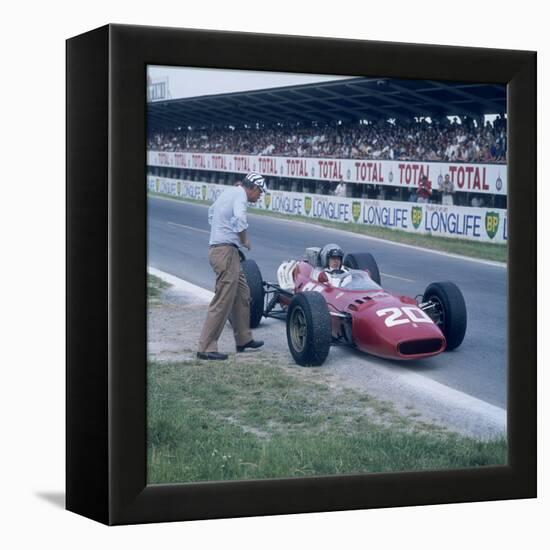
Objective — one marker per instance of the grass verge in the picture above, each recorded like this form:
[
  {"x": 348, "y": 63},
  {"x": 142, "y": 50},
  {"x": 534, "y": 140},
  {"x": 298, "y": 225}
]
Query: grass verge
[
  {"x": 155, "y": 289},
  {"x": 248, "y": 419},
  {"x": 481, "y": 250}
]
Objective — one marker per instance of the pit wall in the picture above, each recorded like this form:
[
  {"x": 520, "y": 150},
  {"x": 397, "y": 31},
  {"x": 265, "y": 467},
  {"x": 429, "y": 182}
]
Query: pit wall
[{"x": 459, "y": 222}]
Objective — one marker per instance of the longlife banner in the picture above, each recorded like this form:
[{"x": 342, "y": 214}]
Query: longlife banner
[
  {"x": 476, "y": 178},
  {"x": 459, "y": 222}
]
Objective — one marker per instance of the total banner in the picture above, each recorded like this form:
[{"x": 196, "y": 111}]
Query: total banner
[
  {"x": 476, "y": 178},
  {"x": 460, "y": 222}
]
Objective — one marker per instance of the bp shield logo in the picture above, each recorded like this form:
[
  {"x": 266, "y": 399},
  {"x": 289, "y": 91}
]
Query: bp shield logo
[
  {"x": 356, "y": 210},
  {"x": 416, "y": 216},
  {"x": 267, "y": 200},
  {"x": 204, "y": 190},
  {"x": 492, "y": 220},
  {"x": 308, "y": 203}
]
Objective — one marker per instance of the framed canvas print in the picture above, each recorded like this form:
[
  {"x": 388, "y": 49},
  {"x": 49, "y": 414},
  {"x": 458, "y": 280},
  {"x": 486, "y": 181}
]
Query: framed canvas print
[{"x": 300, "y": 274}]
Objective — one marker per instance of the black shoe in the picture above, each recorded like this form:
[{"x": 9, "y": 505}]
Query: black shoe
[
  {"x": 253, "y": 344},
  {"x": 211, "y": 355}
]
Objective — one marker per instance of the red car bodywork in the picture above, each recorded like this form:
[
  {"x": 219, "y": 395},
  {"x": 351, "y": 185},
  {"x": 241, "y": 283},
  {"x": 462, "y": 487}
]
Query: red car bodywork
[{"x": 375, "y": 321}]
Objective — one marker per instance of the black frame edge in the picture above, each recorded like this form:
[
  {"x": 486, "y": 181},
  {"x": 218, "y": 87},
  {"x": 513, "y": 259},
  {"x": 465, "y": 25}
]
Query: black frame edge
[
  {"x": 87, "y": 141},
  {"x": 133, "y": 49},
  {"x": 131, "y": 500},
  {"x": 522, "y": 274}
]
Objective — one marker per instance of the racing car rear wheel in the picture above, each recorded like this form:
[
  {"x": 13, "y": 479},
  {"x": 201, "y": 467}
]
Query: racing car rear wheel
[
  {"x": 364, "y": 260},
  {"x": 256, "y": 286},
  {"x": 448, "y": 311},
  {"x": 308, "y": 329}
]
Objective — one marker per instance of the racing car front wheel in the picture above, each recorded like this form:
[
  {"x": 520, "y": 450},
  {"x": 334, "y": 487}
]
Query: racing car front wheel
[
  {"x": 308, "y": 329},
  {"x": 255, "y": 284},
  {"x": 447, "y": 310},
  {"x": 364, "y": 260}
]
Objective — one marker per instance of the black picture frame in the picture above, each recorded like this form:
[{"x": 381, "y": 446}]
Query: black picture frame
[{"x": 106, "y": 273}]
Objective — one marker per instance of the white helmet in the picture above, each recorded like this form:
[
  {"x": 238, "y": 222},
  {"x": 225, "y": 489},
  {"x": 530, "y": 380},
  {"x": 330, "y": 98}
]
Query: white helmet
[{"x": 254, "y": 179}]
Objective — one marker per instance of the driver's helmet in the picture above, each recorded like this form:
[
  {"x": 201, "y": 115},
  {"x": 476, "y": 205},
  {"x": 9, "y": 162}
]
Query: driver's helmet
[
  {"x": 331, "y": 251},
  {"x": 254, "y": 179}
]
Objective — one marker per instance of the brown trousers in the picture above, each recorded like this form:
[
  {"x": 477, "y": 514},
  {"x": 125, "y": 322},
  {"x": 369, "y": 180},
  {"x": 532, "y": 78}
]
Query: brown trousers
[{"x": 231, "y": 300}]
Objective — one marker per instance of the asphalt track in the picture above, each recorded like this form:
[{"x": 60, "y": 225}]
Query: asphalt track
[{"x": 178, "y": 235}]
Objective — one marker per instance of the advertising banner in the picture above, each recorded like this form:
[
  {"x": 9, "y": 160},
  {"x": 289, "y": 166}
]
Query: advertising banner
[
  {"x": 458, "y": 222},
  {"x": 475, "y": 178}
]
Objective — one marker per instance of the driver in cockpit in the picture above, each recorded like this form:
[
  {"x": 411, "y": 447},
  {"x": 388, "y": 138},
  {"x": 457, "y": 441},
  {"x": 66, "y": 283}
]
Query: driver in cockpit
[{"x": 332, "y": 257}]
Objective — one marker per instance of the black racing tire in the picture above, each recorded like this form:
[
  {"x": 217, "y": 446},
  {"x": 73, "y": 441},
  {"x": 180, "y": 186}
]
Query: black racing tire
[
  {"x": 308, "y": 329},
  {"x": 255, "y": 284},
  {"x": 364, "y": 260},
  {"x": 449, "y": 313}
]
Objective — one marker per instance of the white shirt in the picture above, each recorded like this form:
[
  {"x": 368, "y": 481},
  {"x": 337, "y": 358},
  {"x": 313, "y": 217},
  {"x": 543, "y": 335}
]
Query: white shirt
[
  {"x": 227, "y": 216},
  {"x": 340, "y": 190}
]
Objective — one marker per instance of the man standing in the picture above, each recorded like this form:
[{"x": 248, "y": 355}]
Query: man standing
[
  {"x": 447, "y": 190},
  {"x": 227, "y": 217},
  {"x": 424, "y": 190},
  {"x": 340, "y": 190}
]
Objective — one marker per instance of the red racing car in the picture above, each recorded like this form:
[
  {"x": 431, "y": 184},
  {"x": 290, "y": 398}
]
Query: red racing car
[{"x": 346, "y": 305}]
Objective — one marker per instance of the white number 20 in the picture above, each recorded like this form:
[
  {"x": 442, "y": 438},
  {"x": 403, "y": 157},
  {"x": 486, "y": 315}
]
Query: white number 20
[{"x": 402, "y": 316}]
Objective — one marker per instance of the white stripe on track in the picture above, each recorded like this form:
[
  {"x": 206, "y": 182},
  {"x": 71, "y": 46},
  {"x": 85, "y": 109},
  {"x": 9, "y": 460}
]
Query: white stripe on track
[
  {"x": 396, "y": 277},
  {"x": 179, "y": 284},
  {"x": 188, "y": 227},
  {"x": 455, "y": 398}
]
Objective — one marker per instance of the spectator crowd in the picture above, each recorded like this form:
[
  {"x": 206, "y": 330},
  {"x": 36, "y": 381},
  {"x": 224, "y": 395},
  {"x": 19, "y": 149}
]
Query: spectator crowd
[{"x": 465, "y": 140}]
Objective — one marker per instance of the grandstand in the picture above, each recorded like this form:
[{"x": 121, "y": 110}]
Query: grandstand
[{"x": 442, "y": 124}]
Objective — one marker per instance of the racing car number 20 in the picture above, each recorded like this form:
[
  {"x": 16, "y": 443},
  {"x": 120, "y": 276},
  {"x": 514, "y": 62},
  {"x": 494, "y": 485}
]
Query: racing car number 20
[
  {"x": 349, "y": 307},
  {"x": 403, "y": 315}
]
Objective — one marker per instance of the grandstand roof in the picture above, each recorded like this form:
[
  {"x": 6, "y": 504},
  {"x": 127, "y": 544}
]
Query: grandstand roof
[{"x": 347, "y": 100}]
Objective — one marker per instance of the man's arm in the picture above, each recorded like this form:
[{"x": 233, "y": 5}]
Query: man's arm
[
  {"x": 239, "y": 221},
  {"x": 244, "y": 239}
]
